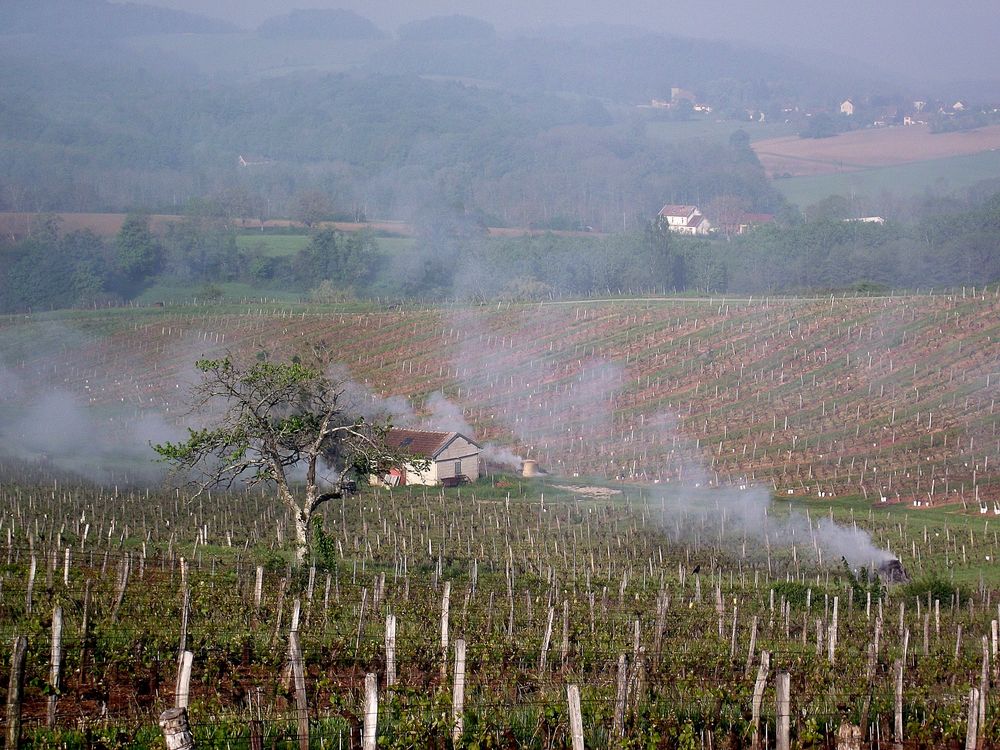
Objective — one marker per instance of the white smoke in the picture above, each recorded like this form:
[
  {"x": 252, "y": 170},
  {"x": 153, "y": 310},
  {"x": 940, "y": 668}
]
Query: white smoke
[
  {"x": 697, "y": 512},
  {"x": 447, "y": 416}
]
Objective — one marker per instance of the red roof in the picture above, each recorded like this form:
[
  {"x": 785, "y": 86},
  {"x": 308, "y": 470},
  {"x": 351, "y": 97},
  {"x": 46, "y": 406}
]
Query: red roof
[
  {"x": 421, "y": 442},
  {"x": 677, "y": 209}
]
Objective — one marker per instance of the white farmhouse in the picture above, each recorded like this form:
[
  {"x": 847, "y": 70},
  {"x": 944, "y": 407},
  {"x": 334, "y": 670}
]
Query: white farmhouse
[
  {"x": 451, "y": 457},
  {"x": 684, "y": 219}
]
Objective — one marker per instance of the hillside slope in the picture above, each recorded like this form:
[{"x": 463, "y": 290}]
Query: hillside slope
[{"x": 890, "y": 397}]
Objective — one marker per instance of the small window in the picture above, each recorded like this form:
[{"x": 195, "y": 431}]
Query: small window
[{"x": 458, "y": 468}]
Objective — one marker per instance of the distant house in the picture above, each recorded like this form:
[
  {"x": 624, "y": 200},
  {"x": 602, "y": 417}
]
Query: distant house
[
  {"x": 252, "y": 161},
  {"x": 684, "y": 219},
  {"x": 867, "y": 220},
  {"x": 744, "y": 223},
  {"x": 887, "y": 116},
  {"x": 847, "y": 107},
  {"x": 451, "y": 457},
  {"x": 958, "y": 106}
]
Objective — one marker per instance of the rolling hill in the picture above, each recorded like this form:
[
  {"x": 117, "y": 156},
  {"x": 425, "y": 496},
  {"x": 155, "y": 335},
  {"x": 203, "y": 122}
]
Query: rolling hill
[{"x": 889, "y": 398}]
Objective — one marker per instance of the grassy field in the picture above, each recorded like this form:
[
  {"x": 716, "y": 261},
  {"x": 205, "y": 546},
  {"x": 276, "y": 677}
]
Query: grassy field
[
  {"x": 180, "y": 294},
  {"x": 273, "y": 245},
  {"x": 937, "y": 175}
]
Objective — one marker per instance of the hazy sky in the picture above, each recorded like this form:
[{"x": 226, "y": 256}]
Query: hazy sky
[{"x": 921, "y": 38}]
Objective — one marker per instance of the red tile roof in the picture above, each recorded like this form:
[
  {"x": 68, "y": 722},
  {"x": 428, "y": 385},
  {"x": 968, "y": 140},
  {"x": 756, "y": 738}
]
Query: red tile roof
[
  {"x": 421, "y": 442},
  {"x": 675, "y": 209}
]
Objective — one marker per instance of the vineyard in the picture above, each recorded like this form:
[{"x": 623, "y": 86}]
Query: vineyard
[
  {"x": 675, "y": 630},
  {"x": 675, "y": 581},
  {"x": 890, "y": 398}
]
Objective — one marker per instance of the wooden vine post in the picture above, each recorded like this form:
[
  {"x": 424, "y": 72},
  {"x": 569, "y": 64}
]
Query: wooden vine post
[
  {"x": 371, "y": 712},
  {"x": 758, "y": 697},
  {"x": 458, "y": 692},
  {"x": 575, "y": 717},
  {"x": 445, "y": 602},
  {"x": 972, "y": 728},
  {"x": 55, "y": 664},
  {"x": 618, "y": 726},
  {"x": 176, "y": 730},
  {"x": 783, "y": 717},
  {"x": 897, "y": 734},
  {"x": 182, "y": 690},
  {"x": 301, "y": 701},
  {"x": 543, "y": 656},
  {"x": 15, "y": 690},
  {"x": 390, "y": 650}
]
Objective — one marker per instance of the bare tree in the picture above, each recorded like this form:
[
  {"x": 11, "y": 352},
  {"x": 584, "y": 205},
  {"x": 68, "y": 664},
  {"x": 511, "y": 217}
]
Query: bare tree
[
  {"x": 728, "y": 212},
  {"x": 278, "y": 419}
]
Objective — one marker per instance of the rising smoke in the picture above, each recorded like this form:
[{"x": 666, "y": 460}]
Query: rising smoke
[
  {"x": 698, "y": 512},
  {"x": 57, "y": 429}
]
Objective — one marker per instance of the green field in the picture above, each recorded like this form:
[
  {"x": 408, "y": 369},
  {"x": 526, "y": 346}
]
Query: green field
[
  {"x": 170, "y": 293},
  {"x": 938, "y": 176},
  {"x": 273, "y": 245}
]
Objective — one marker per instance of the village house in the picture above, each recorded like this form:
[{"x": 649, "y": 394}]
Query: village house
[
  {"x": 684, "y": 219},
  {"x": 743, "y": 223},
  {"x": 451, "y": 458},
  {"x": 867, "y": 220},
  {"x": 847, "y": 107},
  {"x": 252, "y": 161},
  {"x": 887, "y": 116}
]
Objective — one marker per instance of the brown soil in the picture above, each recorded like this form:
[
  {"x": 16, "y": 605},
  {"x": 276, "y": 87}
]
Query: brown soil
[{"x": 876, "y": 147}]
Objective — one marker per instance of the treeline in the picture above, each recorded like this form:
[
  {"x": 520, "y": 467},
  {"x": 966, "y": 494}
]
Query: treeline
[
  {"x": 537, "y": 130},
  {"x": 51, "y": 270},
  {"x": 79, "y": 137},
  {"x": 454, "y": 258}
]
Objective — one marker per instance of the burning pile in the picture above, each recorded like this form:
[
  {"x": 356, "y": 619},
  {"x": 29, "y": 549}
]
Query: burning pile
[{"x": 892, "y": 571}]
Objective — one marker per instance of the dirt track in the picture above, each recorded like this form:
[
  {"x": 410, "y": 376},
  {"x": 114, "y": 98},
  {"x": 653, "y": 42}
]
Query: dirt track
[{"x": 876, "y": 147}]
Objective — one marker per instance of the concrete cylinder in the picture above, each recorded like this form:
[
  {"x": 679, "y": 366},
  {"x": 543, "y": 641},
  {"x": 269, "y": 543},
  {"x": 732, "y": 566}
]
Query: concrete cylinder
[{"x": 529, "y": 468}]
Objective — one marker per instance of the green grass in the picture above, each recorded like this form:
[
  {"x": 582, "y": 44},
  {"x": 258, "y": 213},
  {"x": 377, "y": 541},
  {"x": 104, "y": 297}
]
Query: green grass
[
  {"x": 172, "y": 292},
  {"x": 273, "y": 245},
  {"x": 393, "y": 246},
  {"x": 957, "y": 520},
  {"x": 937, "y": 175}
]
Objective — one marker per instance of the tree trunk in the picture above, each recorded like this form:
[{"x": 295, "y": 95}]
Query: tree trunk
[{"x": 301, "y": 536}]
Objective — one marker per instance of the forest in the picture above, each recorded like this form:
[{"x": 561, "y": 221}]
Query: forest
[{"x": 523, "y": 129}]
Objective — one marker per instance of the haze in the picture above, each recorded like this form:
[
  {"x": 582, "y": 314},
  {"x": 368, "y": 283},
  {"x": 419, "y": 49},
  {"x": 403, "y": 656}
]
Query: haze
[{"x": 917, "y": 40}]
